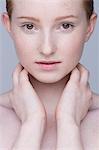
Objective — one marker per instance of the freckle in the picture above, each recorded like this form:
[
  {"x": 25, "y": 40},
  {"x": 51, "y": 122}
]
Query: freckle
[{"x": 66, "y": 4}]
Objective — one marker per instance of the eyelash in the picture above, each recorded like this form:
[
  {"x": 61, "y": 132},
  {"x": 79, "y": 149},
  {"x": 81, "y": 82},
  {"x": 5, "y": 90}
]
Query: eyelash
[
  {"x": 69, "y": 27},
  {"x": 27, "y": 30},
  {"x": 64, "y": 27}
]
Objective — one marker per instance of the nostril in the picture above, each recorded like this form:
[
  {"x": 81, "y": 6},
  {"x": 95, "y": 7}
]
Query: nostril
[{"x": 47, "y": 51}]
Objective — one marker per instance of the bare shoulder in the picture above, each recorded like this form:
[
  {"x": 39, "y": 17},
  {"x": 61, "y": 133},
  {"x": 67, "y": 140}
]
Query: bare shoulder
[
  {"x": 9, "y": 124},
  {"x": 4, "y": 99},
  {"x": 90, "y": 130}
]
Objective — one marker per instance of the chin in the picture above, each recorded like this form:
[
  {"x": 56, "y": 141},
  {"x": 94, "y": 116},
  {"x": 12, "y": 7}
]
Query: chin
[{"x": 49, "y": 79}]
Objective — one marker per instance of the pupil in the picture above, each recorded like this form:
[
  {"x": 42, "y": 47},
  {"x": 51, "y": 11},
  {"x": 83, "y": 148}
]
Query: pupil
[
  {"x": 29, "y": 26},
  {"x": 66, "y": 26}
]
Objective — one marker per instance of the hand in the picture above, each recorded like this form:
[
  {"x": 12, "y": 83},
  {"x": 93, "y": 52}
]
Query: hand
[
  {"x": 76, "y": 97},
  {"x": 23, "y": 97}
]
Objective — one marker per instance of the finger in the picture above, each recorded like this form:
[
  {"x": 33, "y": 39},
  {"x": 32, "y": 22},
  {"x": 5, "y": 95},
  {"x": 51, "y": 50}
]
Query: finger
[
  {"x": 75, "y": 75},
  {"x": 84, "y": 74},
  {"x": 16, "y": 73},
  {"x": 23, "y": 77}
]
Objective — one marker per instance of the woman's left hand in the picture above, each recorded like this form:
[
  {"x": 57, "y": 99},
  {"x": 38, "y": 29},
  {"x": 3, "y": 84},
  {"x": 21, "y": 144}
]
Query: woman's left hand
[{"x": 76, "y": 97}]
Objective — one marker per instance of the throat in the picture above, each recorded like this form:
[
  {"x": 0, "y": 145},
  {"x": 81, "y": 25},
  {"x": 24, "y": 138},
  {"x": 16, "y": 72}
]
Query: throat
[{"x": 49, "y": 93}]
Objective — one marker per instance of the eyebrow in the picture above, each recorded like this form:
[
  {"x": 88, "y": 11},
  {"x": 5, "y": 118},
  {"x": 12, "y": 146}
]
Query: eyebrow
[
  {"x": 66, "y": 17},
  {"x": 29, "y": 18},
  {"x": 57, "y": 19}
]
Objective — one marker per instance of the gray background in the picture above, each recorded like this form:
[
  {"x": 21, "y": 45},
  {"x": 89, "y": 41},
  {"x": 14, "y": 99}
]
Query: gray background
[{"x": 8, "y": 58}]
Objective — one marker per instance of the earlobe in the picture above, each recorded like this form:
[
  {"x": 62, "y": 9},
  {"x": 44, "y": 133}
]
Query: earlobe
[
  {"x": 91, "y": 26},
  {"x": 6, "y": 21}
]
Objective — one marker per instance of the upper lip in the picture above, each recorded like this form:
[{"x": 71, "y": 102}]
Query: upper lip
[{"x": 47, "y": 62}]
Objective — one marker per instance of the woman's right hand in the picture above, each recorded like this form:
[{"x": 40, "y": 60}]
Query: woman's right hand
[
  {"x": 23, "y": 97},
  {"x": 29, "y": 109}
]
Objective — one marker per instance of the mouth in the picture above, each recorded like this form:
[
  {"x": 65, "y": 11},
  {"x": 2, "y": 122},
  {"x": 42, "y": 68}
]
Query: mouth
[
  {"x": 48, "y": 62},
  {"x": 48, "y": 65}
]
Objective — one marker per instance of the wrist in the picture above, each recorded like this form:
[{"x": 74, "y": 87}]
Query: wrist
[
  {"x": 30, "y": 118},
  {"x": 30, "y": 135},
  {"x": 67, "y": 120},
  {"x": 35, "y": 124},
  {"x": 67, "y": 125},
  {"x": 68, "y": 135}
]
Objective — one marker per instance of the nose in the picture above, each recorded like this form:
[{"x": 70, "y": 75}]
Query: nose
[{"x": 48, "y": 46}]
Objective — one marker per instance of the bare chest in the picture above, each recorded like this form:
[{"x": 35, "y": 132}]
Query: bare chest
[
  {"x": 9, "y": 134},
  {"x": 49, "y": 138},
  {"x": 10, "y": 127}
]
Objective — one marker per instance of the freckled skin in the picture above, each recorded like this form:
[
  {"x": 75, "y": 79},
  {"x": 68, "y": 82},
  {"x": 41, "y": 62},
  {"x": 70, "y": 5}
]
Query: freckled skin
[
  {"x": 45, "y": 41},
  {"x": 46, "y": 37}
]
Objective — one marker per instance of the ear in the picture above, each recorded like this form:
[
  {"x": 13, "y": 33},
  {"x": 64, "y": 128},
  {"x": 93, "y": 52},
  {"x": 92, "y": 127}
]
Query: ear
[
  {"x": 6, "y": 21},
  {"x": 91, "y": 26}
]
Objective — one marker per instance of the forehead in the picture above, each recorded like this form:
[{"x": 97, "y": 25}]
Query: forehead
[{"x": 46, "y": 7}]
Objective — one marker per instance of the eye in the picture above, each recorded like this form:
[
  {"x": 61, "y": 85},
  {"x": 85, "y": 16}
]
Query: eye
[
  {"x": 66, "y": 27},
  {"x": 29, "y": 28}
]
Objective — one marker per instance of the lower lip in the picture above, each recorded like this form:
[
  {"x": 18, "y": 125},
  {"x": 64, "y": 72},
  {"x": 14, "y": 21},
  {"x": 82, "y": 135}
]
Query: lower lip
[{"x": 48, "y": 67}]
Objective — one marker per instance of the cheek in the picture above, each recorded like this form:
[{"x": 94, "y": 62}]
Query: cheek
[
  {"x": 71, "y": 45},
  {"x": 71, "y": 52},
  {"x": 26, "y": 47}
]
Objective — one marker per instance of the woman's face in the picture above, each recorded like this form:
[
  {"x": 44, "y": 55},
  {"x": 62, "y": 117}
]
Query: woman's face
[{"x": 49, "y": 30}]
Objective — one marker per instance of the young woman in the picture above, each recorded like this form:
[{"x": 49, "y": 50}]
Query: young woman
[{"x": 51, "y": 105}]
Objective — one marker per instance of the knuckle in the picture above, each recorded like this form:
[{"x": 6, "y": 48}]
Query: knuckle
[
  {"x": 77, "y": 75},
  {"x": 77, "y": 72},
  {"x": 79, "y": 65},
  {"x": 14, "y": 73},
  {"x": 22, "y": 77},
  {"x": 22, "y": 73}
]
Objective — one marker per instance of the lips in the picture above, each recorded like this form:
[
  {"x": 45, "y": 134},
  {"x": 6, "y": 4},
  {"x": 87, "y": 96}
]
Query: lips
[
  {"x": 48, "y": 62},
  {"x": 48, "y": 65}
]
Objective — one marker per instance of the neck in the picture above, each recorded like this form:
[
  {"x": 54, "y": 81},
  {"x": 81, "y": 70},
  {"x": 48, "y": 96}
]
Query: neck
[{"x": 49, "y": 93}]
